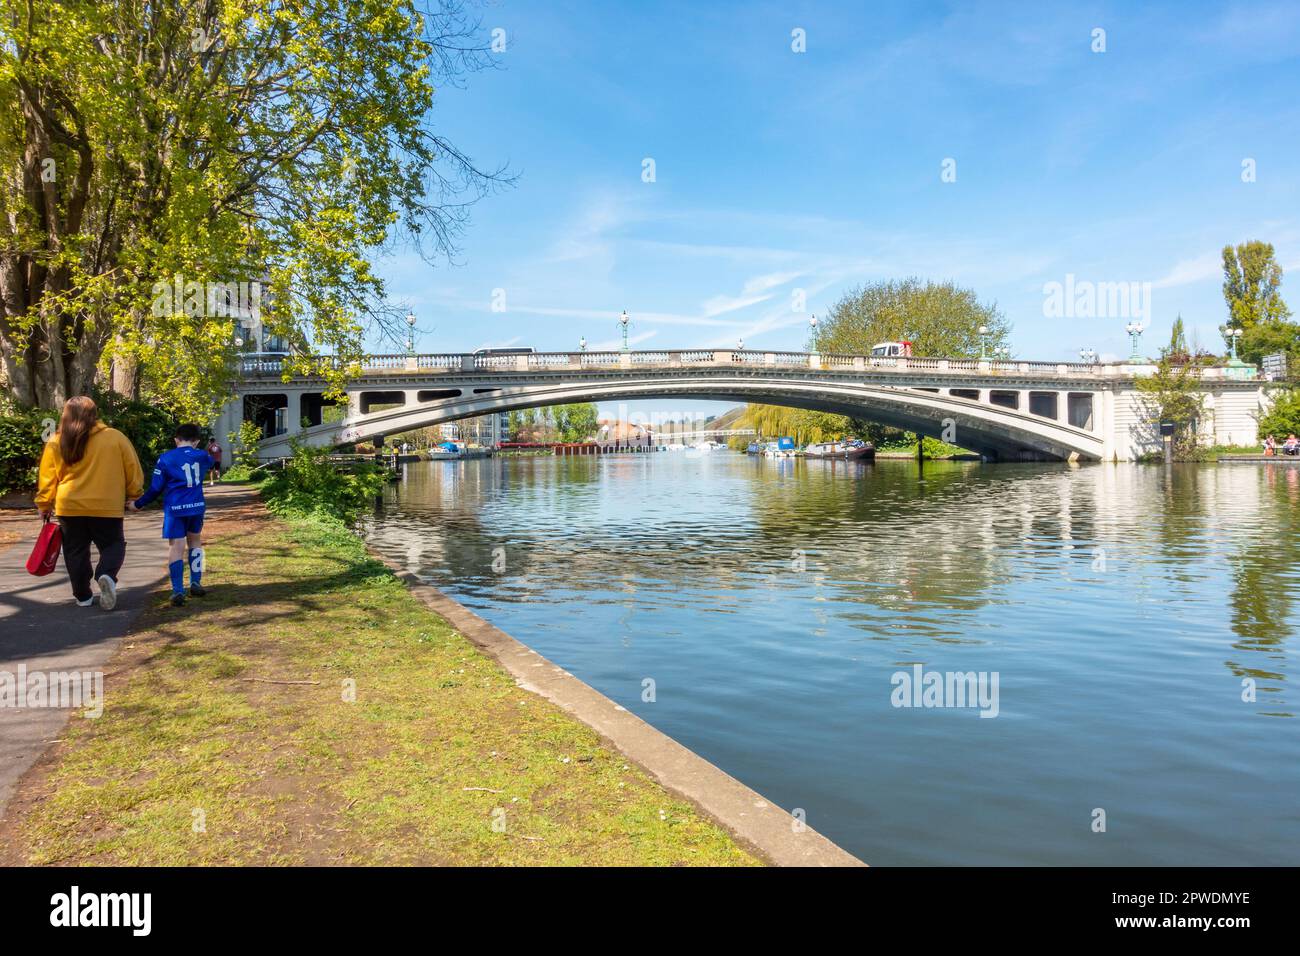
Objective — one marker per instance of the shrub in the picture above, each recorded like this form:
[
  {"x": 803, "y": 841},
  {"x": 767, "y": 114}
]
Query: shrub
[
  {"x": 23, "y": 435},
  {"x": 312, "y": 484},
  {"x": 244, "y": 444},
  {"x": 21, "y": 443},
  {"x": 148, "y": 427},
  {"x": 1283, "y": 415}
]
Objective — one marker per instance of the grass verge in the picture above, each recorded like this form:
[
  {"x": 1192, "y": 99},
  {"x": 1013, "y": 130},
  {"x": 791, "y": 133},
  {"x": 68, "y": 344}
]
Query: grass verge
[{"x": 311, "y": 711}]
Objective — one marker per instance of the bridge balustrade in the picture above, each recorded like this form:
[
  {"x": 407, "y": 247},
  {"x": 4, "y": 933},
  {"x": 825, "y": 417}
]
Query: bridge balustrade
[
  {"x": 843, "y": 361},
  {"x": 549, "y": 359},
  {"x": 438, "y": 361},
  {"x": 256, "y": 365}
]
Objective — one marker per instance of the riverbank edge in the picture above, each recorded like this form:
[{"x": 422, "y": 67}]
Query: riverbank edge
[{"x": 757, "y": 823}]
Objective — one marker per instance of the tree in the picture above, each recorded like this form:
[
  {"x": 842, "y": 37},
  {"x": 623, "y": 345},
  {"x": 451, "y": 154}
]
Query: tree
[
  {"x": 575, "y": 422},
  {"x": 160, "y": 157},
  {"x": 1172, "y": 394},
  {"x": 1283, "y": 415},
  {"x": 940, "y": 319},
  {"x": 1266, "y": 338},
  {"x": 803, "y": 425},
  {"x": 1251, "y": 277},
  {"x": 1177, "y": 350}
]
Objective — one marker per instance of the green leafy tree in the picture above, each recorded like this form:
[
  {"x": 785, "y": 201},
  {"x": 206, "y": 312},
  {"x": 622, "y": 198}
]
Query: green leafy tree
[
  {"x": 244, "y": 443},
  {"x": 1269, "y": 338},
  {"x": 157, "y": 153},
  {"x": 1251, "y": 286},
  {"x": 1283, "y": 415},
  {"x": 1177, "y": 351},
  {"x": 940, "y": 319},
  {"x": 575, "y": 422},
  {"x": 803, "y": 425},
  {"x": 1172, "y": 394}
]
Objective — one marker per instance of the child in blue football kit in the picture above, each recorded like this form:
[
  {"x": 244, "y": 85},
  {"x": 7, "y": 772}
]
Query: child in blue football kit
[{"x": 178, "y": 477}]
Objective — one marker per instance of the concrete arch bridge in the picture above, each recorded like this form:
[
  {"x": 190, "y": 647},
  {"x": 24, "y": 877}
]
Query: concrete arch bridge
[{"x": 1005, "y": 410}]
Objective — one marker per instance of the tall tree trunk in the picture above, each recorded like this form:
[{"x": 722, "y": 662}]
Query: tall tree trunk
[{"x": 126, "y": 376}]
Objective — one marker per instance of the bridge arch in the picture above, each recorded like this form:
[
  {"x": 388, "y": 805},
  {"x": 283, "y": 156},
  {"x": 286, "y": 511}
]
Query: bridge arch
[{"x": 997, "y": 431}]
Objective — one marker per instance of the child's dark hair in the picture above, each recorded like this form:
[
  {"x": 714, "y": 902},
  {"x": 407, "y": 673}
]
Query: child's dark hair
[{"x": 187, "y": 432}]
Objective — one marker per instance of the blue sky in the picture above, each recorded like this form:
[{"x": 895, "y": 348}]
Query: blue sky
[{"x": 778, "y": 171}]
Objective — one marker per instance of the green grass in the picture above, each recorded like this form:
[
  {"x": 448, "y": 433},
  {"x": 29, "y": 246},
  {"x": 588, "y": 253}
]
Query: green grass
[{"x": 294, "y": 773}]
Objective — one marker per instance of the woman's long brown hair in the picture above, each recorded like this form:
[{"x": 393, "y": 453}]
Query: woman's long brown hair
[{"x": 79, "y": 417}]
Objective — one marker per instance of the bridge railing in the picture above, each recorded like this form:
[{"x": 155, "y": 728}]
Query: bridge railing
[{"x": 258, "y": 365}]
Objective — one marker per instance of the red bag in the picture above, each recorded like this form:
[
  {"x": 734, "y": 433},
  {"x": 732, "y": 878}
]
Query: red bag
[{"x": 45, "y": 556}]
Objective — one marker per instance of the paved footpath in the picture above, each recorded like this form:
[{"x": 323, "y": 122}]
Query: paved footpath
[{"x": 42, "y": 628}]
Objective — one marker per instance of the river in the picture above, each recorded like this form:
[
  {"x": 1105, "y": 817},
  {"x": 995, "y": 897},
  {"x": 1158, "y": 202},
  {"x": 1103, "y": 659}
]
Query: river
[{"x": 1138, "y": 621}]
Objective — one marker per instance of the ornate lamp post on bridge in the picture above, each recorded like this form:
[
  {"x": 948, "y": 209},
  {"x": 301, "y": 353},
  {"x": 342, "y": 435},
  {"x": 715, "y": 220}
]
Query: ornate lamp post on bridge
[
  {"x": 582, "y": 344},
  {"x": 1088, "y": 355},
  {"x": 1134, "y": 330},
  {"x": 1233, "y": 335},
  {"x": 410, "y": 333},
  {"x": 984, "y": 342},
  {"x": 740, "y": 345},
  {"x": 624, "y": 322}
]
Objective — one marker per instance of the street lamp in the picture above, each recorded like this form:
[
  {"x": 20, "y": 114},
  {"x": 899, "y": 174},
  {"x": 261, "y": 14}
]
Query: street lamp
[
  {"x": 1234, "y": 335},
  {"x": 1134, "y": 330},
  {"x": 984, "y": 333},
  {"x": 410, "y": 335},
  {"x": 624, "y": 322},
  {"x": 740, "y": 345},
  {"x": 582, "y": 343},
  {"x": 1089, "y": 356}
]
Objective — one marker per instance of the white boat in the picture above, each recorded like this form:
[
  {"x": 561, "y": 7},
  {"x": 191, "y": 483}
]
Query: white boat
[{"x": 773, "y": 450}]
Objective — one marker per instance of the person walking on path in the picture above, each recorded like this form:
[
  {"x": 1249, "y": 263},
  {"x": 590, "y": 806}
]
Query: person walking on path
[
  {"x": 178, "y": 477},
  {"x": 87, "y": 473},
  {"x": 214, "y": 452}
]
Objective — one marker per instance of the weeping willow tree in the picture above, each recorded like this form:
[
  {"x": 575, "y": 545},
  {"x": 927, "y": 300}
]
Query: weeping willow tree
[
  {"x": 804, "y": 426},
  {"x": 157, "y": 157}
]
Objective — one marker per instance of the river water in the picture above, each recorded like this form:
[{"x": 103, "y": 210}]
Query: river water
[{"x": 1140, "y": 624}]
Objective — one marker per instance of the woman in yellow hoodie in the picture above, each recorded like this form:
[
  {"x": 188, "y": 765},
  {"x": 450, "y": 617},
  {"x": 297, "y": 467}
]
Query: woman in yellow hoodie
[{"x": 88, "y": 473}]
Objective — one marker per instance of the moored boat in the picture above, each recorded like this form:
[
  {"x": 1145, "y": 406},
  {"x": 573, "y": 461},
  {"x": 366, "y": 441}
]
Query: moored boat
[
  {"x": 781, "y": 448},
  {"x": 843, "y": 450}
]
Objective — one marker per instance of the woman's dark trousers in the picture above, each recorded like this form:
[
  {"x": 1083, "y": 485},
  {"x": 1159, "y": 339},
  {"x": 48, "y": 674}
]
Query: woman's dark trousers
[{"x": 79, "y": 533}]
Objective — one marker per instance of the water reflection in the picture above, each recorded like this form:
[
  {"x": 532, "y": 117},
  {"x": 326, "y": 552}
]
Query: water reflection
[{"x": 771, "y": 600}]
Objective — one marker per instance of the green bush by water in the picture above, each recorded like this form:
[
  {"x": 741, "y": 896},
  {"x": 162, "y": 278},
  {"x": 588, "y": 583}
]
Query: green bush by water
[{"x": 311, "y": 484}]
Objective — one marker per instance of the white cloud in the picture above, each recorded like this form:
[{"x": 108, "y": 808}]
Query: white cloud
[{"x": 1187, "y": 271}]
